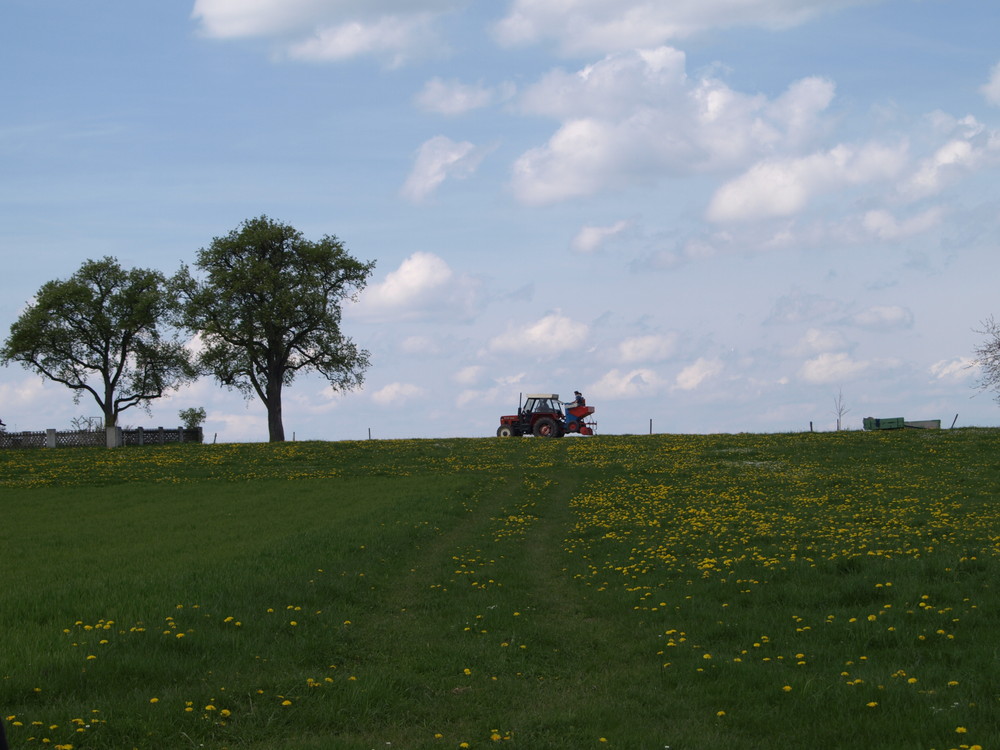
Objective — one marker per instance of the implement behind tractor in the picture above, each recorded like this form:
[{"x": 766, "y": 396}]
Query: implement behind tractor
[{"x": 542, "y": 416}]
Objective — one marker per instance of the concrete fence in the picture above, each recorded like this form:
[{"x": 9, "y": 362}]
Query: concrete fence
[{"x": 112, "y": 437}]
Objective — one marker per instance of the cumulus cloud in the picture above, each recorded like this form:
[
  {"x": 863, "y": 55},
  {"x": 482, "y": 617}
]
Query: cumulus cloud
[
  {"x": 884, "y": 226},
  {"x": 883, "y": 318},
  {"x": 456, "y": 98},
  {"x": 548, "y": 337},
  {"x": 801, "y": 307},
  {"x": 469, "y": 375},
  {"x": 330, "y": 29},
  {"x": 697, "y": 373},
  {"x": 817, "y": 340},
  {"x": 991, "y": 89},
  {"x": 954, "y": 370},
  {"x": 396, "y": 393},
  {"x": 437, "y": 160},
  {"x": 423, "y": 285},
  {"x": 396, "y": 39},
  {"x": 652, "y": 348},
  {"x": 785, "y": 186},
  {"x": 597, "y": 26},
  {"x": 636, "y": 117},
  {"x": 617, "y": 384},
  {"x": 590, "y": 239},
  {"x": 975, "y": 148},
  {"x": 832, "y": 367}
]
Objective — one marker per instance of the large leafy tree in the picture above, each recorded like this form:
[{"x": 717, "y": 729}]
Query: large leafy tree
[
  {"x": 268, "y": 307},
  {"x": 103, "y": 331}
]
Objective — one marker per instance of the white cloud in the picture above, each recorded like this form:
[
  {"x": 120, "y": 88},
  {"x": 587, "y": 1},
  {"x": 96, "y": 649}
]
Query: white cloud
[
  {"x": 423, "y": 285},
  {"x": 420, "y": 345},
  {"x": 469, "y": 375},
  {"x": 783, "y": 187},
  {"x": 638, "y": 383},
  {"x": 437, "y": 160},
  {"x": 589, "y": 26},
  {"x": 456, "y": 98},
  {"x": 991, "y": 89},
  {"x": 954, "y": 370},
  {"x": 832, "y": 368},
  {"x": 636, "y": 117},
  {"x": 697, "y": 373},
  {"x": 590, "y": 239},
  {"x": 330, "y": 29},
  {"x": 396, "y": 39},
  {"x": 884, "y": 226},
  {"x": 818, "y": 340},
  {"x": 652, "y": 348},
  {"x": 801, "y": 307},
  {"x": 883, "y": 318},
  {"x": 547, "y": 337},
  {"x": 396, "y": 393}
]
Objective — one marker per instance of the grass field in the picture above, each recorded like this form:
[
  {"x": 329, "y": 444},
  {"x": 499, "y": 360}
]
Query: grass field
[{"x": 833, "y": 590}]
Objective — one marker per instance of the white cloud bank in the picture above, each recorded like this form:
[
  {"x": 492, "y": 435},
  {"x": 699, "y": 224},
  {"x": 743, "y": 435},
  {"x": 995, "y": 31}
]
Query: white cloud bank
[
  {"x": 991, "y": 89},
  {"x": 547, "y": 337},
  {"x": 330, "y": 30},
  {"x": 397, "y": 393},
  {"x": 438, "y": 159},
  {"x": 599, "y": 26},
  {"x": 456, "y": 98},
  {"x": 783, "y": 187},
  {"x": 636, "y": 117},
  {"x": 590, "y": 239},
  {"x": 423, "y": 286}
]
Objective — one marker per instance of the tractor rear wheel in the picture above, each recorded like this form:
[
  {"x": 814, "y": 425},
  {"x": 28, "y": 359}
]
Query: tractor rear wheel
[
  {"x": 546, "y": 427},
  {"x": 505, "y": 430}
]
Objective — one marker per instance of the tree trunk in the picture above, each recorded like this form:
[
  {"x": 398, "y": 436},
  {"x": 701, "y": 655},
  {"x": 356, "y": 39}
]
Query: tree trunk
[{"x": 275, "y": 427}]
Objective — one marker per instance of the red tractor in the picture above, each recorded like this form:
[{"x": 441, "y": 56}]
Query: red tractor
[{"x": 542, "y": 416}]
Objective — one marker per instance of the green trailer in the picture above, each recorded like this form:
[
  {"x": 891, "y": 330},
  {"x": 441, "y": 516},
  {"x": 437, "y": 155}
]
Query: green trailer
[{"x": 890, "y": 423}]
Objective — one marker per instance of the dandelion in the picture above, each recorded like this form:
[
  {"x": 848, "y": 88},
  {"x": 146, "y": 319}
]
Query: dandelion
[
  {"x": 787, "y": 688},
  {"x": 872, "y": 704},
  {"x": 154, "y": 700},
  {"x": 960, "y": 730}
]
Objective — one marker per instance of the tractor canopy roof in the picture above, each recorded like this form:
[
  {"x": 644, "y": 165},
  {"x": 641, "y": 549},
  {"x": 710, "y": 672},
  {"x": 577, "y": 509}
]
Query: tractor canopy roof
[{"x": 543, "y": 395}]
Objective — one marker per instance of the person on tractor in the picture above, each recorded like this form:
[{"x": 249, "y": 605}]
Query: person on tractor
[{"x": 578, "y": 400}]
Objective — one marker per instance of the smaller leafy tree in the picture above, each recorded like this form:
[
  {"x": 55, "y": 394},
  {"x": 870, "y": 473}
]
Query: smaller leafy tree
[
  {"x": 193, "y": 418},
  {"x": 987, "y": 357},
  {"x": 103, "y": 332}
]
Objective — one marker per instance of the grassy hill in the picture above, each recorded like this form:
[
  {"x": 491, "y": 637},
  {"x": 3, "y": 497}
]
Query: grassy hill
[{"x": 741, "y": 591}]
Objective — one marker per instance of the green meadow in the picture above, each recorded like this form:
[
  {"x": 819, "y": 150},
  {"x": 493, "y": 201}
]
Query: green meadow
[{"x": 827, "y": 590}]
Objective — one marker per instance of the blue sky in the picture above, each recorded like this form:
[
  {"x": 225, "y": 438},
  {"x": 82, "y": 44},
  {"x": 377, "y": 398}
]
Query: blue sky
[{"x": 715, "y": 215}]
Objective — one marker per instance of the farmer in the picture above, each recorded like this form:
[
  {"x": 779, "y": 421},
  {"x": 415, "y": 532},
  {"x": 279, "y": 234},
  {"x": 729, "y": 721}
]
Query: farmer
[{"x": 573, "y": 421}]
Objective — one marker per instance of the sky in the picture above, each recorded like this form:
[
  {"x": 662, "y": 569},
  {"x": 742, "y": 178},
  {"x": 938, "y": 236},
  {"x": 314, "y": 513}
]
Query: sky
[{"x": 706, "y": 215}]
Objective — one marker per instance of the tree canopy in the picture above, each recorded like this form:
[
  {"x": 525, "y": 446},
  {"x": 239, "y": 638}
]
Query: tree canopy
[
  {"x": 269, "y": 306},
  {"x": 102, "y": 331}
]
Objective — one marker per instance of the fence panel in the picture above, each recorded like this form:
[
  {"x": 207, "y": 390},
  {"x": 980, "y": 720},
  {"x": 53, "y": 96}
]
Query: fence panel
[{"x": 89, "y": 438}]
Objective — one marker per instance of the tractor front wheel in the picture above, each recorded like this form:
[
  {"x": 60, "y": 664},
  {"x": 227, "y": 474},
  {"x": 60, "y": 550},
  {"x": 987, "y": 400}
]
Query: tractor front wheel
[
  {"x": 505, "y": 430},
  {"x": 546, "y": 427}
]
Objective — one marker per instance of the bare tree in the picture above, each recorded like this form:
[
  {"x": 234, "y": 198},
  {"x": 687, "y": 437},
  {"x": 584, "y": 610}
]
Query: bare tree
[
  {"x": 987, "y": 357},
  {"x": 839, "y": 407}
]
